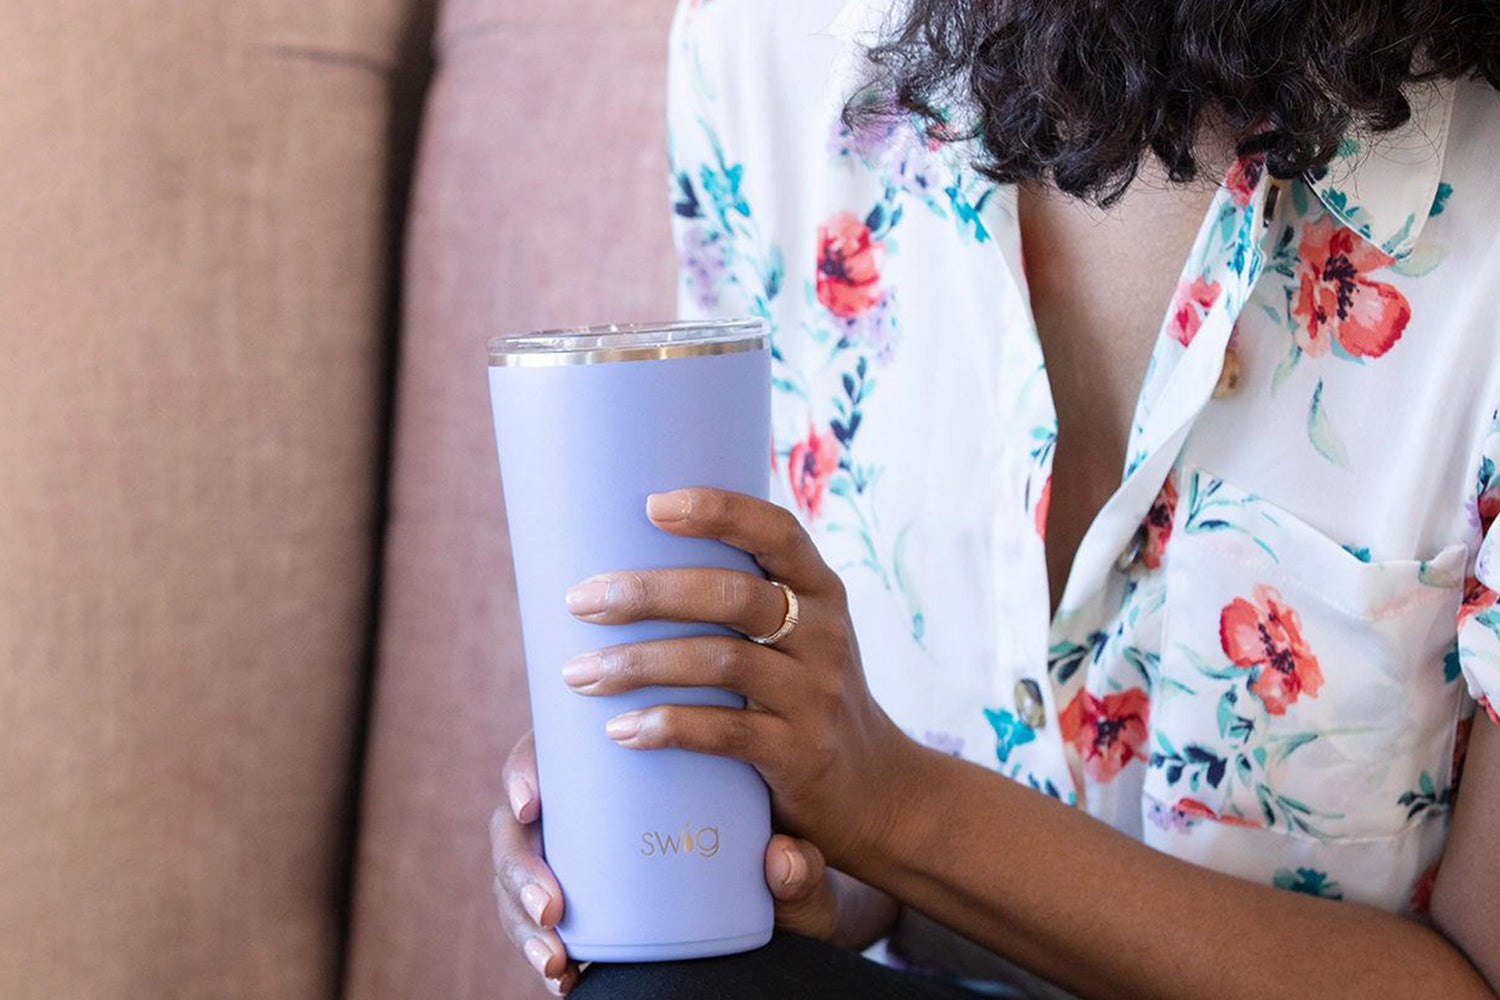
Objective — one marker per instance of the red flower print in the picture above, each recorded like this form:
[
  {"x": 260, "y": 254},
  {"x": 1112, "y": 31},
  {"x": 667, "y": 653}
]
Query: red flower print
[
  {"x": 1158, "y": 525},
  {"x": 1197, "y": 810},
  {"x": 1243, "y": 175},
  {"x": 1043, "y": 504},
  {"x": 1489, "y": 508},
  {"x": 1477, "y": 598},
  {"x": 848, "y": 275},
  {"x": 1337, "y": 301},
  {"x": 1421, "y": 892},
  {"x": 1267, "y": 637},
  {"x": 1489, "y": 710},
  {"x": 1190, "y": 304},
  {"x": 809, "y": 465},
  {"x": 1107, "y": 732}
]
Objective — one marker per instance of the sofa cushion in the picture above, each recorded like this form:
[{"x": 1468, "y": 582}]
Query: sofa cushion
[
  {"x": 193, "y": 288},
  {"x": 541, "y": 200}
]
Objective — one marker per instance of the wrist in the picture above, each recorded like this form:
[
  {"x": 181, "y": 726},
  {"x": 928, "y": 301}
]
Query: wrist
[{"x": 896, "y": 827}]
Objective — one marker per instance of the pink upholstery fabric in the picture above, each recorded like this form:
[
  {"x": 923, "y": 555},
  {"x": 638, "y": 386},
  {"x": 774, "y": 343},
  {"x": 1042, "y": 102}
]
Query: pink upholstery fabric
[
  {"x": 541, "y": 200},
  {"x": 192, "y": 280}
]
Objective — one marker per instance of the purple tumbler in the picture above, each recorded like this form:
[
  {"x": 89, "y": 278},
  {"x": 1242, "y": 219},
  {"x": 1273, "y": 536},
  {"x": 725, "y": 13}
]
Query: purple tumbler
[{"x": 660, "y": 853}]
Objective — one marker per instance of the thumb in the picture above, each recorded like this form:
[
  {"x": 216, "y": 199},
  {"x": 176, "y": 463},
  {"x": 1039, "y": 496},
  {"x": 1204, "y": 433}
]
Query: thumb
[{"x": 799, "y": 881}]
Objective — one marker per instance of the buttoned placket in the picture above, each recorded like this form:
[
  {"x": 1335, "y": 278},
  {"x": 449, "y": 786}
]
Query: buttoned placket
[{"x": 1204, "y": 370}]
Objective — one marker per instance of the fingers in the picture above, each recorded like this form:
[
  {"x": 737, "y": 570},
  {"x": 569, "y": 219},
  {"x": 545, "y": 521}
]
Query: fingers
[
  {"x": 528, "y": 897},
  {"x": 770, "y": 533},
  {"x": 760, "y": 673},
  {"x": 519, "y": 776},
  {"x": 805, "y": 898},
  {"x": 746, "y": 734},
  {"x": 740, "y": 600}
]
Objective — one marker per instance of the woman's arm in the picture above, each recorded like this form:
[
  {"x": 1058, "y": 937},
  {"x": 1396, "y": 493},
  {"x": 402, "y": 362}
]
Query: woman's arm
[
  {"x": 1042, "y": 884},
  {"x": 1106, "y": 916}
]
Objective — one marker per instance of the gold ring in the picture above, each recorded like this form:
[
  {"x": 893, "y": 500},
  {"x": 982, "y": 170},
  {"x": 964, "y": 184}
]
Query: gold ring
[{"x": 787, "y": 623}]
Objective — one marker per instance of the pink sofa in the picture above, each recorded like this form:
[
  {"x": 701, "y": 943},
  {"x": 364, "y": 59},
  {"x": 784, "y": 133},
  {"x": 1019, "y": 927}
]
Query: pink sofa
[{"x": 257, "y": 668}]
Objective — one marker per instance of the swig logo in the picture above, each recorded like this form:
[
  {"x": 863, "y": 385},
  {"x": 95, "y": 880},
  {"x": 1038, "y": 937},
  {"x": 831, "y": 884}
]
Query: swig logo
[{"x": 704, "y": 843}]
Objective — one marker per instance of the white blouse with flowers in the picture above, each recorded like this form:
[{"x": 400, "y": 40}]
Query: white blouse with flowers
[{"x": 1270, "y": 648}]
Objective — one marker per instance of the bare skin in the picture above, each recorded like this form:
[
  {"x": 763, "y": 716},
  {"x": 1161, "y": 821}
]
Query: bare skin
[{"x": 1172, "y": 929}]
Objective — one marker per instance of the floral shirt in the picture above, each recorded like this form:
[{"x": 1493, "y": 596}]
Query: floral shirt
[{"x": 1277, "y": 631}]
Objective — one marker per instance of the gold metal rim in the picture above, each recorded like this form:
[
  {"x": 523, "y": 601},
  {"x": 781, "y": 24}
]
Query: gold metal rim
[{"x": 592, "y": 345}]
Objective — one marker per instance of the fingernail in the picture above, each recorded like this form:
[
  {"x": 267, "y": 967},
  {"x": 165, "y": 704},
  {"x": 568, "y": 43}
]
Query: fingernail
[
  {"x": 535, "y": 899},
  {"x": 586, "y": 668},
  {"x": 622, "y": 727},
  {"x": 796, "y": 867},
  {"x": 538, "y": 954},
  {"x": 520, "y": 795},
  {"x": 589, "y": 596},
  {"x": 674, "y": 506}
]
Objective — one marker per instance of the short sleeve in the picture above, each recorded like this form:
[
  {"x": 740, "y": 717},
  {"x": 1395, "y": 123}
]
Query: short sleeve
[{"x": 1478, "y": 658}]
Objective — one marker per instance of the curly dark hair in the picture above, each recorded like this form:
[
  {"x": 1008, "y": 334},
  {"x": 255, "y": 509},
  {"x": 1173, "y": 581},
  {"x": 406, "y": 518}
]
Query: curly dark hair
[{"x": 1076, "y": 92}]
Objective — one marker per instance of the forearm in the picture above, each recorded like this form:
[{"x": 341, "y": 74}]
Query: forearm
[
  {"x": 866, "y": 914},
  {"x": 1103, "y": 915}
]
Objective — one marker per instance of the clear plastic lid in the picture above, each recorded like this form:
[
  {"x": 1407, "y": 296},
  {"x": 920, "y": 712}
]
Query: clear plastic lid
[{"x": 588, "y": 345}]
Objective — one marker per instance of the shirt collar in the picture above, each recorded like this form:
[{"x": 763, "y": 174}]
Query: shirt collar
[{"x": 1384, "y": 187}]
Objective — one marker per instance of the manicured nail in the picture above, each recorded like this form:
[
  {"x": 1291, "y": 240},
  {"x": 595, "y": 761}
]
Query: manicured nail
[
  {"x": 674, "y": 506},
  {"x": 796, "y": 868},
  {"x": 538, "y": 954},
  {"x": 588, "y": 597},
  {"x": 586, "y": 668},
  {"x": 535, "y": 899},
  {"x": 622, "y": 727},
  {"x": 520, "y": 794}
]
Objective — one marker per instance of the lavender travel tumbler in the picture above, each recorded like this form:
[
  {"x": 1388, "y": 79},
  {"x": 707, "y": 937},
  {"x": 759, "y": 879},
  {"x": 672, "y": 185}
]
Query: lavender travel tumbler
[{"x": 660, "y": 853}]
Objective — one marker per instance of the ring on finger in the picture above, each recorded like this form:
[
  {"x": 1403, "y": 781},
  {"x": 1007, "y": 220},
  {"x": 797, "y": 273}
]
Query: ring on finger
[{"x": 788, "y": 622}]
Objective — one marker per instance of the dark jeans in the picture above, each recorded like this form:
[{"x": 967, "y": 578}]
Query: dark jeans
[{"x": 790, "y": 967}]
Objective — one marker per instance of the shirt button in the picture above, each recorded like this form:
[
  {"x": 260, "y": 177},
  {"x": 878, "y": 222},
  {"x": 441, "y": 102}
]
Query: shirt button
[
  {"x": 1132, "y": 551},
  {"x": 1029, "y": 703},
  {"x": 1229, "y": 375}
]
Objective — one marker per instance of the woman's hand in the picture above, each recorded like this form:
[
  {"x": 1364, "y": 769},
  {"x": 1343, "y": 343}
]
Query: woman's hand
[
  {"x": 526, "y": 891},
  {"x": 833, "y": 759},
  {"x": 806, "y": 891}
]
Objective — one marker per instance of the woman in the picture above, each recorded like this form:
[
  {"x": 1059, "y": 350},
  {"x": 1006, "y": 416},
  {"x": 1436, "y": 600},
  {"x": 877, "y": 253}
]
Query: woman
[{"x": 1234, "y": 687}]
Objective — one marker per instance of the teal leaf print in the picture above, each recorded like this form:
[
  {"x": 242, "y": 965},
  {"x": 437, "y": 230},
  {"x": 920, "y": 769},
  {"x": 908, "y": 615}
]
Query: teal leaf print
[
  {"x": 1425, "y": 798},
  {"x": 1444, "y": 191},
  {"x": 1452, "y": 664},
  {"x": 1286, "y": 367},
  {"x": 1146, "y": 663},
  {"x": 1064, "y": 658},
  {"x": 1394, "y": 243},
  {"x": 1202, "y": 500},
  {"x": 1233, "y": 725},
  {"x": 1196, "y": 762},
  {"x": 1010, "y": 732},
  {"x": 906, "y": 586},
  {"x": 1430, "y": 576},
  {"x": 1320, "y": 431},
  {"x": 1308, "y": 881},
  {"x": 1362, "y": 553},
  {"x": 1422, "y": 261},
  {"x": 1299, "y": 196},
  {"x": 686, "y": 204}
]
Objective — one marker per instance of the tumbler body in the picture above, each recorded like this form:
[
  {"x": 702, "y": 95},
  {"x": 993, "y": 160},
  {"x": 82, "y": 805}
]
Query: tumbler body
[{"x": 659, "y": 853}]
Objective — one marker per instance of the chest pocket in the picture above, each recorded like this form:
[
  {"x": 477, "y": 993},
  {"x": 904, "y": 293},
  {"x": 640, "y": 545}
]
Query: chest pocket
[{"x": 1303, "y": 688}]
